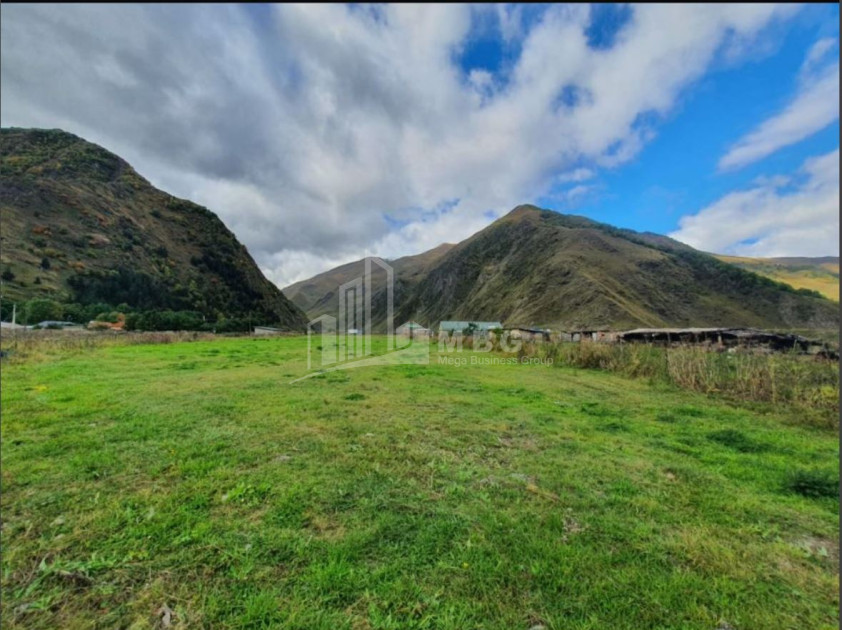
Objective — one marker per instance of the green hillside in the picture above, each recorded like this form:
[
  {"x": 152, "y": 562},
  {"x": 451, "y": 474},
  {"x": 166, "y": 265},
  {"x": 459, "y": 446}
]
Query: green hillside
[
  {"x": 319, "y": 295},
  {"x": 537, "y": 267},
  {"x": 817, "y": 274},
  {"x": 80, "y": 226}
]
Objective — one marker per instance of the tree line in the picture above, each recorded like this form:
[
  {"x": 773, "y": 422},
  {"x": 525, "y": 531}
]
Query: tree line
[{"x": 34, "y": 311}]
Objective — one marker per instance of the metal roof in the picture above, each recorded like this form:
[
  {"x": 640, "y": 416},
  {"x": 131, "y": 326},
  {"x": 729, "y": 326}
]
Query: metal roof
[
  {"x": 462, "y": 325},
  {"x": 412, "y": 325},
  {"x": 675, "y": 331},
  {"x": 527, "y": 329},
  {"x": 746, "y": 333}
]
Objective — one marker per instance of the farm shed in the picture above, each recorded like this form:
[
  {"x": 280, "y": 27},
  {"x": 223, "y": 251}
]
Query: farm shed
[
  {"x": 266, "y": 330},
  {"x": 412, "y": 329},
  {"x": 722, "y": 337},
  {"x": 56, "y": 325},
  {"x": 560, "y": 335},
  {"x": 588, "y": 335},
  {"x": 527, "y": 334}
]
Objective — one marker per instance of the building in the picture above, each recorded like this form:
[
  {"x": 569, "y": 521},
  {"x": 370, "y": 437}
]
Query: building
[
  {"x": 719, "y": 338},
  {"x": 55, "y": 325},
  {"x": 724, "y": 337},
  {"x": 466, "y": 326},
  {"x": 586, "y": 335},
  {"x": 266, "y": 330},
  {"x": 412, "y": 330},
  {"x": 527, "y": 334}
]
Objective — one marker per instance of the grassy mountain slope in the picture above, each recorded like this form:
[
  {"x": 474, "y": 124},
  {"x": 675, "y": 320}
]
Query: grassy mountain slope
[
  {"x": 319, "y": 294},
  {"x": 539, "y": 267},
  {"x": 80, "y": 225},
  {"x": 536, "y": 267},
  {"x": 818, "y": 274}
]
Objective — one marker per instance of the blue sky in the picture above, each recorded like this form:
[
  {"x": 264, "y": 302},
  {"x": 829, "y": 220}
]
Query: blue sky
[
  {"x": 324, "y": 133},
  {"x": 677, "y": 171}
]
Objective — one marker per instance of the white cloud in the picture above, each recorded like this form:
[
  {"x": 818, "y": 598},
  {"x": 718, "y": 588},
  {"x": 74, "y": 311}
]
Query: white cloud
[
  {"x": 577, "y": 192},
  {"x": 780, "y": 216},
  {"x": 303, "y": 126},
  {"x": 576, "y": 175},
  {"x": 511, "y": 21},
  {"x": 817, "y": 53},
  {"x": 814, "y": 107}
]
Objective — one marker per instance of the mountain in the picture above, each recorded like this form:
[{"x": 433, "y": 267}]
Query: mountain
[
  {"x": 819, "y": 274},
  {"x": 538, "y": 267},
  {"x": 80, "y": 226},
  {"x": 319, "y": 295}
]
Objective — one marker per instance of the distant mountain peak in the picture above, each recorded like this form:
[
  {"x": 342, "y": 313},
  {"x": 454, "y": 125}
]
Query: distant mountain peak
[
  {"x": 537, "y": 266},
  {"x": 524, "y": 209}
]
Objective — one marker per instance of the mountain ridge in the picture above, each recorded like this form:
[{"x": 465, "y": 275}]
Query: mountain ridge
[
  {"x": 81, "y": 226},
  {"x": 818, "y": 273},
  {"x": 538, "y": 267}
]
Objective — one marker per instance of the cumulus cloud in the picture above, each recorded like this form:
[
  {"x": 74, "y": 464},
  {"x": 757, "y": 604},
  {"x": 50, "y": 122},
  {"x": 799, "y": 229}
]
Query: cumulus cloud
[
  {"x": 813, "y": 108},
  {"x": 315, "y": 130},
  {"x": 780, "y": 216}
]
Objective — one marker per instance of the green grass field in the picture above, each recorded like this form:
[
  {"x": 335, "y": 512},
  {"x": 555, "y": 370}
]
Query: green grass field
[{"x": 190, "y": 485}]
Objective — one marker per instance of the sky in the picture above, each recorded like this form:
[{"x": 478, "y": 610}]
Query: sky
[{"x": 324, "y": 133}]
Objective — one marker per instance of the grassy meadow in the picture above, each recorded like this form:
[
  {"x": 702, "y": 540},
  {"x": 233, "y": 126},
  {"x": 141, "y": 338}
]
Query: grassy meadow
[{"x": 191, "y": 485}]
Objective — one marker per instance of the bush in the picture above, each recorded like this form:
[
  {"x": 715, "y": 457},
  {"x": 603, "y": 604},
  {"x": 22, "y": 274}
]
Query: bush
[
  {"x": 165, "y": 320},
  {"x": 231, "y": 325},
  {"x": 83, "y": 313},
  {"x": 39, "y": 310},
  {"x": 111, "y": 317}
]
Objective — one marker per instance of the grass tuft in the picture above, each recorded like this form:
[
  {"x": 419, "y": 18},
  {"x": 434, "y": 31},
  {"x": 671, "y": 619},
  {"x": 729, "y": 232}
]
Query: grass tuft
[
  {"x": 813, "y": 483},
  {"x": 737, "y": 440}
]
